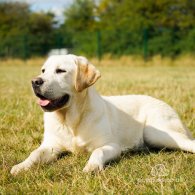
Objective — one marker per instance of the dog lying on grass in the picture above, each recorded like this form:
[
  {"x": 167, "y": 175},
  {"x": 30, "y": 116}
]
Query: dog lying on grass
[{"x": 77, "y": 118}]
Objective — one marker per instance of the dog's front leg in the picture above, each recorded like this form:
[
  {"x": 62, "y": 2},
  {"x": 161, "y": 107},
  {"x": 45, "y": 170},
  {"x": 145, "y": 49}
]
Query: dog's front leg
[
  {"x": 102, "y": 155},
  {"x": 40, "y": 155}
]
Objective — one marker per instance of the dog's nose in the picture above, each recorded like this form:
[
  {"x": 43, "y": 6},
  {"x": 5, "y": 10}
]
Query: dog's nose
[{"x": 37, "y": 82}]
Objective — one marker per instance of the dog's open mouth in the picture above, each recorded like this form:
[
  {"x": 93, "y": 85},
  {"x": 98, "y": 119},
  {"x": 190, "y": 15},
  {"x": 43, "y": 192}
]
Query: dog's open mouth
[{"x": 51, "y": 105}]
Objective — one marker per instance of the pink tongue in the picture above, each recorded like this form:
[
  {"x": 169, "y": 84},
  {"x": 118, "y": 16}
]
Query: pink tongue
[{"x": 43, "y": 102}]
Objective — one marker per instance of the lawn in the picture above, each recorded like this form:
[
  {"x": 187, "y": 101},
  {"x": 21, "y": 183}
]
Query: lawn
[{"x": 149, "y": 172}]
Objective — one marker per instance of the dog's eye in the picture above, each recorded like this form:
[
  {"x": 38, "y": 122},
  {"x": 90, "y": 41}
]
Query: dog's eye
[
  {"x": 60, "y": 71},
  {"x": 43, "y": 70}
]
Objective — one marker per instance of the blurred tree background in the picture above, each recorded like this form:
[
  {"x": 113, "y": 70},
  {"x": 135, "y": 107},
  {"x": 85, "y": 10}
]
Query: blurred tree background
[{"x": 118, "y": 27}]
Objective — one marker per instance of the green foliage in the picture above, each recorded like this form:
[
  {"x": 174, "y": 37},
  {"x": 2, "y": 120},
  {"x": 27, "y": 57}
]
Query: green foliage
[
  {"x": 23, "y": 33},
  {"x": 40, "y": 33},
  {"x": 123, "y": 22},
  {"x": 10, "y": 33},
  {"x": 80, "y": 16},
  {"x": 80, "y": 26},
  {"x": 91, "y": 27}
]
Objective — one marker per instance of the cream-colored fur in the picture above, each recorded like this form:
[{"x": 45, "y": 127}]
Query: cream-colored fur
[{"x": 105, "y": 126}]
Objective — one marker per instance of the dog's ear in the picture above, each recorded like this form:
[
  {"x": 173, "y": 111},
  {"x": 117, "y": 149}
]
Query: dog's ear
[{"x": 86, "y": 74}]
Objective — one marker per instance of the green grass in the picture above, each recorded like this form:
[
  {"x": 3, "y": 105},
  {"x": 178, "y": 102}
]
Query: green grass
[{"x": 21, "y": 129}]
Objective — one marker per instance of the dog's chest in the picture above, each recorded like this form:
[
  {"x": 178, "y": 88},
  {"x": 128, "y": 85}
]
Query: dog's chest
[
  {"x": 65, "y": 137},
  {"x": 73, "y": 143},
  {"x": 79, "y": 145}
]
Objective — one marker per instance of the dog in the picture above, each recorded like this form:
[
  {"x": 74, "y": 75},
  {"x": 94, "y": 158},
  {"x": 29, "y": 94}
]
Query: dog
[{"x": 77, "y": 118}]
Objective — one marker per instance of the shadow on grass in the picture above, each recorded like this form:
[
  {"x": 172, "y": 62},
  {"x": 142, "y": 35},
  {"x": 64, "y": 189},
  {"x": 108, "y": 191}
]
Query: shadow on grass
[
  {"x": 64, "y": 154},
  {"x": 144, "y": 151}
]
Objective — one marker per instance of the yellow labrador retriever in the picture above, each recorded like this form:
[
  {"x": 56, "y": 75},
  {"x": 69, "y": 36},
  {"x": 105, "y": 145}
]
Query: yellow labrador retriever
[{"x": 77, "y": 118}]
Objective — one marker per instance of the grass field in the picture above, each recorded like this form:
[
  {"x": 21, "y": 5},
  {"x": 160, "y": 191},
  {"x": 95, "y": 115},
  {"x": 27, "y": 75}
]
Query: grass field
[{"x": 21, "y": 130}]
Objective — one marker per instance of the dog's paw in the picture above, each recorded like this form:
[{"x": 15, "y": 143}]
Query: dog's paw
[
  {"x": 18, "y": 168},
  {"x": 93, "y": 167}
]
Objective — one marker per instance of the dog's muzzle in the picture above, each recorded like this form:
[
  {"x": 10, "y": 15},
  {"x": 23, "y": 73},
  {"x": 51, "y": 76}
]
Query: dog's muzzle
[{"x": 46, "y": 103}]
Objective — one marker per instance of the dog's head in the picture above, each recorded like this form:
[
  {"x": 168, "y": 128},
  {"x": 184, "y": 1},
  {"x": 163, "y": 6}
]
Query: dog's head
[{"x": 62, "y": 77}]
